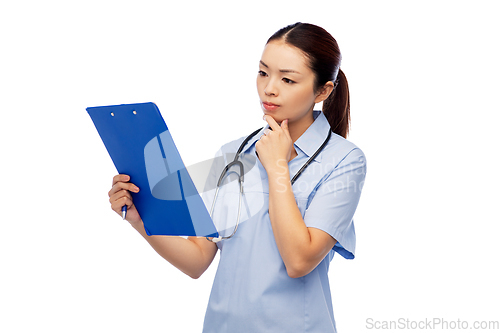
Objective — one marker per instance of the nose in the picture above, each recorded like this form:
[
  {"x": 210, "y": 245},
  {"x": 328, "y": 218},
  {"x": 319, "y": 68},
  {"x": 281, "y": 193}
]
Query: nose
[{"x": 270, "y": 89}]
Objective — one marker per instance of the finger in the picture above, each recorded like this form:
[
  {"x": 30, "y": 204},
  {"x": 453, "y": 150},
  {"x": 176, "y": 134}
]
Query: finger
[
  {"x": 123, "y": 186},
  {"x": 116, "y": 187},
  {"x": 272, "y": 123},
  {"x": 118, "y": 195},
  {"x": 120, "y": 178},
  {"x": 284, "y": 127},
  {"x": 119, "y": 203}
]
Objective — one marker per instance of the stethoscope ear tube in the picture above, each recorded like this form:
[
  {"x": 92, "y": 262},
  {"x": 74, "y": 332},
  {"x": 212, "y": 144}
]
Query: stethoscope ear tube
[
  {"x": 244, "y": 143},
  {"x": 311, "y": 158}
]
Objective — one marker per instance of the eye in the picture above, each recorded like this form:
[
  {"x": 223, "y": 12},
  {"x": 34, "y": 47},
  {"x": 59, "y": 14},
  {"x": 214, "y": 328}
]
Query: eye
[
  {"x": 286, "y": 80},
  {"x": 262, "y": 73}
]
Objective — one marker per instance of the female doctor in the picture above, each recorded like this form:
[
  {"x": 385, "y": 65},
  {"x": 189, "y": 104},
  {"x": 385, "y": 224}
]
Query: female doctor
[{"x": 273, "y": 272}]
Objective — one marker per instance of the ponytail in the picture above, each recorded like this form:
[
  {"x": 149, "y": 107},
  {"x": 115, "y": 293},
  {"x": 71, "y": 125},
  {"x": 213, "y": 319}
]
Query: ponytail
[{"x": 336, "y": 107}]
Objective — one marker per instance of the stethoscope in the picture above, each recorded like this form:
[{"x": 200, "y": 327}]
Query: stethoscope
[{"x": 240, "y": 177}]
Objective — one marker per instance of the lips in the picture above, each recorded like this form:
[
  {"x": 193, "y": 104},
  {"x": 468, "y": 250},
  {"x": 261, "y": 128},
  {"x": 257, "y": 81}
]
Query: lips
[{"x": 269, "y": 106}]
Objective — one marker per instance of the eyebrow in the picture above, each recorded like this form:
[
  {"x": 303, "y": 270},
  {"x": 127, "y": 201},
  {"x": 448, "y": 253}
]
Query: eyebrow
[{"x": 281, "y": 70}]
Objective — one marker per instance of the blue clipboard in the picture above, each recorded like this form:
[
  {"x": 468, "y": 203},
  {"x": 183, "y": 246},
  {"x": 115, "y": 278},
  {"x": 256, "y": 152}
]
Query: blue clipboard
[{"x": 140, "y": 145}]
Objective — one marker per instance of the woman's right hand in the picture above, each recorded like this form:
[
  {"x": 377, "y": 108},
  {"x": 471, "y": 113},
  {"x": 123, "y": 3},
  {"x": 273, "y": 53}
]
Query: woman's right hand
[
  {"x": 192, "y": 255},
  {"x": 119, "y": 196}
]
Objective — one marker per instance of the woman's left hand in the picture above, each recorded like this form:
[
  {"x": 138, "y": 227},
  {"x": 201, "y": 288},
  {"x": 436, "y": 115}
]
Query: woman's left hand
[{"x": 274, "y": 148}]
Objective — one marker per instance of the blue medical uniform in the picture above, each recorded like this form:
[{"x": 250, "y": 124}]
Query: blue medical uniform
[{"x": 252, "y": 291}]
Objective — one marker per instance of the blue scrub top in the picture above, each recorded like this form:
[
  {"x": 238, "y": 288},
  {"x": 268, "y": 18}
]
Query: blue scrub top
[{"x": 252, "y": 291}]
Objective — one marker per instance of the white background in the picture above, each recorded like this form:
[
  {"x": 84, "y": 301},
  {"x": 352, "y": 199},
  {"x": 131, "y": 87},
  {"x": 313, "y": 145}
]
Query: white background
[{"x": 423, "y": 77}]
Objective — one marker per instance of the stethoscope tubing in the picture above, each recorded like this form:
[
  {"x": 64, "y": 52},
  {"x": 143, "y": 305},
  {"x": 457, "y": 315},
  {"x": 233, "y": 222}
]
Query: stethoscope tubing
[{"x": 240, "y": 178}]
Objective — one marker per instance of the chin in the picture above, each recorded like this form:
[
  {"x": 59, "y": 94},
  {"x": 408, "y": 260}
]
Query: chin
[{"x": 276, "y": 118}]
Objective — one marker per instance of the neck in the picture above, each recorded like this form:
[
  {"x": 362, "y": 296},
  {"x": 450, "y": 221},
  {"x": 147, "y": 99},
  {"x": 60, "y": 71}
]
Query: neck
[{"x": 299, "y": 126}]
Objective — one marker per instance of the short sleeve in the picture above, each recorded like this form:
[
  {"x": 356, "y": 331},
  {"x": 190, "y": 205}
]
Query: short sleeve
[{"x": 332, "y": 205}]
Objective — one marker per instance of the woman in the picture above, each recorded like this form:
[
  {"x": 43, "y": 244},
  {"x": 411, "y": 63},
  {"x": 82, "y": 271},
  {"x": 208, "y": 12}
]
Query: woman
[{"x": 273, "y": 273}]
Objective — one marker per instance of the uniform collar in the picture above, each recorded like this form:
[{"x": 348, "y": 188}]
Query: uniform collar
[
  {"x": 254, "y": 139},
  {"x": 309, "y": 141},
  {"x": 314, "y": 136}
]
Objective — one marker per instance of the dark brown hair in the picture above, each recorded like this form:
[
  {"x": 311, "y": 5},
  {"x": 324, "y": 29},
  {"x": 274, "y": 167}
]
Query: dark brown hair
[{"x": 323, "y": 53}]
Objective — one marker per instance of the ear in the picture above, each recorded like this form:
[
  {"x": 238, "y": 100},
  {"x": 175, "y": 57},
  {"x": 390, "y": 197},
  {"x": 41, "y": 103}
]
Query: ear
[{"x": 324, "y": 92}]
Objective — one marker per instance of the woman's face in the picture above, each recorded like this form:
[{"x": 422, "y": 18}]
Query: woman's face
[{"x": 285, "y": 83}]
